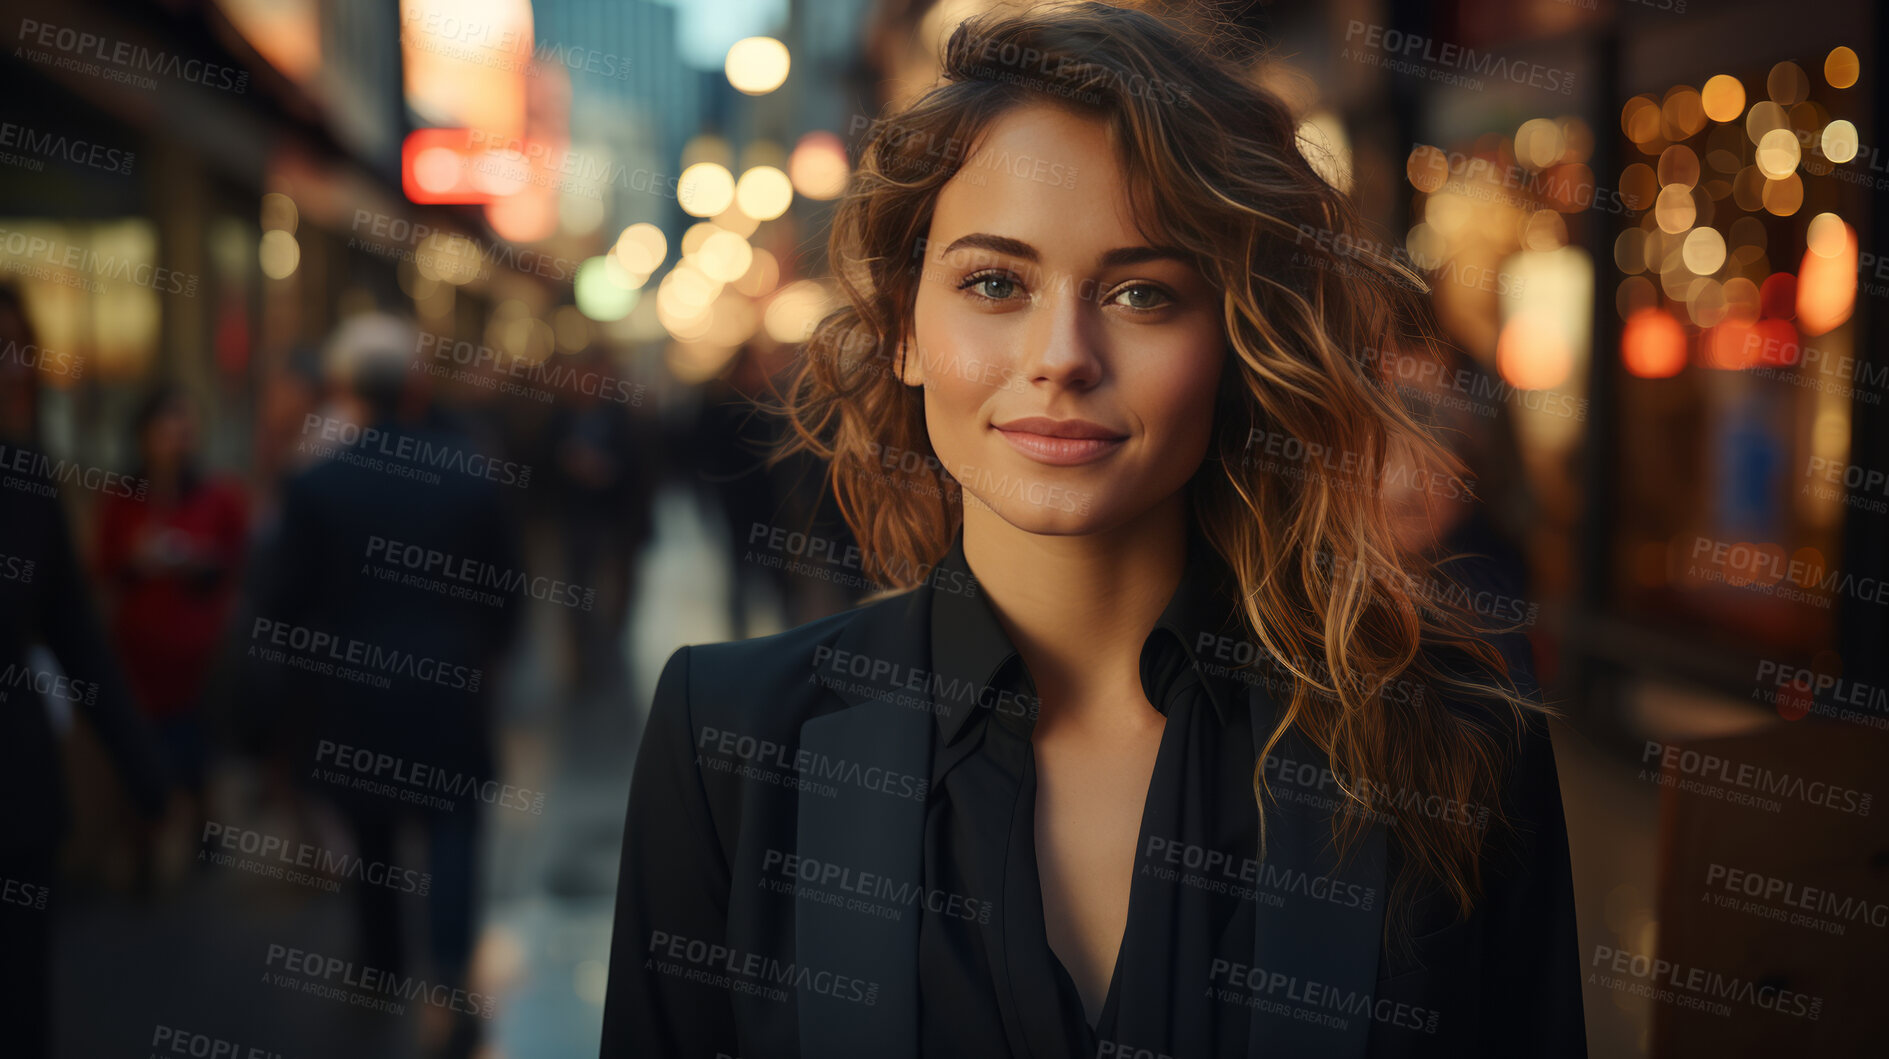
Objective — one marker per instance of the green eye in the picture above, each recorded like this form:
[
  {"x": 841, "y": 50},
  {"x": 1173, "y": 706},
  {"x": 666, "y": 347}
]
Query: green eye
[
  {"x": 992, "y": 285},
  {"x": 1142, "y": 296}
]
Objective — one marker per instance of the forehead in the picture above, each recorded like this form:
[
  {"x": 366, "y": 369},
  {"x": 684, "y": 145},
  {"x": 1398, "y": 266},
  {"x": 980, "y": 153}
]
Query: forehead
[{"x": 1047, "y": 175}]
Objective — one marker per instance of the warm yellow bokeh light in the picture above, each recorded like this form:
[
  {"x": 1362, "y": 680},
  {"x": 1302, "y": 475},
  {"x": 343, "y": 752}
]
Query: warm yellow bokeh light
[
  {"x": 764, "y": 193},
  {"x": 792, "y": 313},
  {"x": 1674, "y": 209},
  {"x": 1839, "y": 141},
  {"x": 278, "y": 211},
  {"x": 1704, "y": 251},
  {"x": 1778, "y": 154},
  {"x": 724, "y": 257},
  {"x": 705, "y": 189},
  {"x": 641, "y": 248},
  {"x": 1826, "y": 235},
  {"x": 1763, "y": 117},
  {"x": 818, "y": 166},
  {"x": 278, "y": 254},
  {"x": 757, "y": 65}
]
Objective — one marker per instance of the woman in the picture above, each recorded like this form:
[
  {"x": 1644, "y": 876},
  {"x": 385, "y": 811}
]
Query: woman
[
  {"x": 1168, "y": 750},
  {"x": 169, "y": 558}
]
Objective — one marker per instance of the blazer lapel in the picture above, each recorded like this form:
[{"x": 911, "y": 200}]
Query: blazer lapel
[
  {"x": 863, "y": 830},
  {"x": 1318, "y": 956}
]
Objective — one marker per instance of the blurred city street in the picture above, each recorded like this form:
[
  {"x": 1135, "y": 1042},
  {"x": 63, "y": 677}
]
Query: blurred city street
[{"x": 549, "y": 880}]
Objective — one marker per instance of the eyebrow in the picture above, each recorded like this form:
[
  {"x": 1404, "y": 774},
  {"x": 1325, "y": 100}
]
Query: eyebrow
[{"x": 1124, "y": 255}]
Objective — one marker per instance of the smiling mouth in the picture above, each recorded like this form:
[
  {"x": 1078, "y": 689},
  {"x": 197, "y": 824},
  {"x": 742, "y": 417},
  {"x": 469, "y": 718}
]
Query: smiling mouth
[{"x": 1061, "y": 443}]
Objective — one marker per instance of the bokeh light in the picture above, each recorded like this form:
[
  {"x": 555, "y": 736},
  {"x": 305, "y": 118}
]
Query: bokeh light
[{"x": 757, "y": 65}]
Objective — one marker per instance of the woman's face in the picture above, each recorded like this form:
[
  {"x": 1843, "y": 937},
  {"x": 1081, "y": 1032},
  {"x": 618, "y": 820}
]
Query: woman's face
[
  {"x": 170, "y": 438},
  {"x": 1069, "y": 365}
]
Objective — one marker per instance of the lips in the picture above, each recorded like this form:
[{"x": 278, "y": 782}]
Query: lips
[
  {"x": 1060, "y": 442},
  {"x": 1060, "y": 428}
]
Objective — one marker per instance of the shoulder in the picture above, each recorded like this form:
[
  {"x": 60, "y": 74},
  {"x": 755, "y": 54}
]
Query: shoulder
[{"x": 768, "y": 683}]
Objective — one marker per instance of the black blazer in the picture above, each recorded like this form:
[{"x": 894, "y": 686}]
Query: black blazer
[{"x": 707, "y": 960}]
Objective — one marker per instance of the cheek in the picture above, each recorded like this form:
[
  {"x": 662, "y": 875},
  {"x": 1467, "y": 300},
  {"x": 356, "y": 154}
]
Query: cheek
[{"x": 1178, "y": 401}]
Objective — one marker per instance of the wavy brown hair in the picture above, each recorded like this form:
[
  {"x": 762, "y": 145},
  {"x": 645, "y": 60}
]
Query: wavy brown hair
[{"x": 1214, "y": 166}]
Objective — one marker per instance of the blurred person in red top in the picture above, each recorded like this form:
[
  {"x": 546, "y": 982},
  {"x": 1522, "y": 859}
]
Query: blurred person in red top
[{"x": 169, "y": 561}]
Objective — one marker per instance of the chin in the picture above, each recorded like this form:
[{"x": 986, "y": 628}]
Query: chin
[{"x": 1066, "y": 514}]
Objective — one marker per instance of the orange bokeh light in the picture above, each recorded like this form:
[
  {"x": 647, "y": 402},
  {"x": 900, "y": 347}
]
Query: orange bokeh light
[
  {"x": 1533, "y": 354},
  {"x": 1653, "y": 344},
  {"x": 1826, "y": 285}
]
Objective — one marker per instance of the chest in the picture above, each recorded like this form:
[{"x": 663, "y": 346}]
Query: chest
[{"x": 1090, "y": 797}]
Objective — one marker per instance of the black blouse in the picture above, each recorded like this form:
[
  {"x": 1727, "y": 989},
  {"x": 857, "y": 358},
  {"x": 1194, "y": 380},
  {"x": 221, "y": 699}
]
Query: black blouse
[{"x": 990, "y": 985}]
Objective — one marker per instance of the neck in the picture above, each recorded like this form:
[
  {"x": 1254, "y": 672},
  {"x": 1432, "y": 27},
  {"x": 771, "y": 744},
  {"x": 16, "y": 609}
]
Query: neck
[{"x": 1079, "y": 607}]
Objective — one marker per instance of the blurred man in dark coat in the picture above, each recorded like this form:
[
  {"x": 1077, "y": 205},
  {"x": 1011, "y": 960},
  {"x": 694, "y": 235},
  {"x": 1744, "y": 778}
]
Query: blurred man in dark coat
[{"x": 391, "y": 594}]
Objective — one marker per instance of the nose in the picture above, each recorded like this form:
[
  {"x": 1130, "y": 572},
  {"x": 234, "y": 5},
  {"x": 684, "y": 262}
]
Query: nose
[{"x": 1062, "y": 345}]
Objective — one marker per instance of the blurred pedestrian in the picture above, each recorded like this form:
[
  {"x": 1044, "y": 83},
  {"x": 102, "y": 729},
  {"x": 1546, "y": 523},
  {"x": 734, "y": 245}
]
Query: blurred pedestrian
[
  {"x": 46, "y": 616},
  {"x": 397, "y": 547},
  {"x": 169, "y": 558},
  {"x": 606, "y": 481}
]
